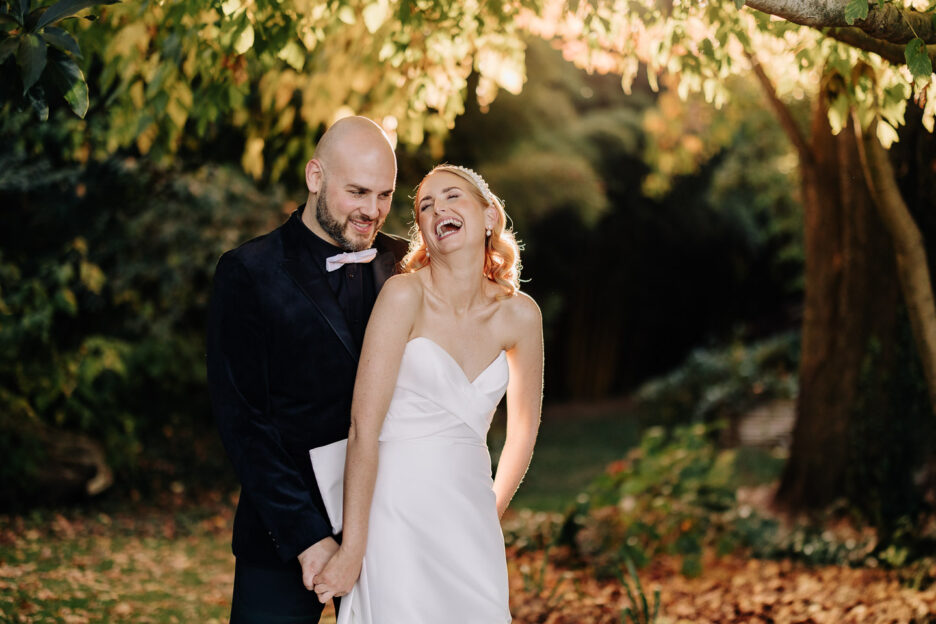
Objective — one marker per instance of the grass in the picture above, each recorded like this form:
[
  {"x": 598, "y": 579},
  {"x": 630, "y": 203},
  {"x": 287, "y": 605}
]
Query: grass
[
  {"x": 574, "y": 445},
  {"x": 117, "y": 562},
  {"x": 170, "y": 560}
]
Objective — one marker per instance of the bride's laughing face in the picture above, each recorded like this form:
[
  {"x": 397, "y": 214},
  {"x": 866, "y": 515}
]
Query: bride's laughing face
[{"x": 451, "y": 213}]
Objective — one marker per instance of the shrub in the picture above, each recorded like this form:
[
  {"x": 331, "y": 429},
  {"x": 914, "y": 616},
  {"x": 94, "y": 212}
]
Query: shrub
[{"x": 721, "y": 383}]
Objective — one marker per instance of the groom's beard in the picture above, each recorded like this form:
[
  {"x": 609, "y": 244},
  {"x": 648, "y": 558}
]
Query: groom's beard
[{"x": 339, "y": 230}]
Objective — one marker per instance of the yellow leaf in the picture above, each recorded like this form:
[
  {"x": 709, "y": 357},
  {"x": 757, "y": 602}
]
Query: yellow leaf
[
  {"x": 70, "y": 299},
  {"x": 886, "y": 134},
  {"x": 252, "y": 160},
  {"x": 375, "y": 14},
  {"x": 230, "y": 7},
  {"x": 136, "y": 94},
  {"x": 293, "y": 54},
  {"x": 346, "y": 15},
  {"x": 245, "y": 40},
  {"x": 133, "y": 36},
  {"x": 92, "y": 277},
  {"x": 146, "y": 138}
]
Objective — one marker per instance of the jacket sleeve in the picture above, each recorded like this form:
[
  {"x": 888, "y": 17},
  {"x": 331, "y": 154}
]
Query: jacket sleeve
[{"x": 238, "y": 380}]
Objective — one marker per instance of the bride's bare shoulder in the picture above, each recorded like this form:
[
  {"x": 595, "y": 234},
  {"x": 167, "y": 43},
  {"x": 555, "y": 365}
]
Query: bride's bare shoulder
[
  {"x": 522, "y": 311},
  {"x": 403, "y": 289}
]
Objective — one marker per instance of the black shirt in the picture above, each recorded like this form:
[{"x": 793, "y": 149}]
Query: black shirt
[{"x": 353, "y": 284}]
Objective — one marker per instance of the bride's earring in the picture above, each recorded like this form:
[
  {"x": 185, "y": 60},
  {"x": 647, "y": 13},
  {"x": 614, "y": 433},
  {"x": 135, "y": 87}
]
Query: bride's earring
[{"x": 488, "y": 231}]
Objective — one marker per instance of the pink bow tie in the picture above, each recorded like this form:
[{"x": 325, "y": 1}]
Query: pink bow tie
[{"x": 333, "y": 263}]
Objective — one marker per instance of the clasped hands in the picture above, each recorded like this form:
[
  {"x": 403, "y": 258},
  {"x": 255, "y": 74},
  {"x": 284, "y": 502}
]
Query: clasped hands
[{"x": 328, "y": 570}]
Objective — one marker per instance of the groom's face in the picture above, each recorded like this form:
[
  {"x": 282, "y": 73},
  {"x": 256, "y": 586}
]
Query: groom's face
[{"x": 354, "y": 198}]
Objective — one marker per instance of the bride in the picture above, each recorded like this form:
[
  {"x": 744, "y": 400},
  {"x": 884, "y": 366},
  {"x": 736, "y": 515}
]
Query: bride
[{"x": 422, "y": 536}]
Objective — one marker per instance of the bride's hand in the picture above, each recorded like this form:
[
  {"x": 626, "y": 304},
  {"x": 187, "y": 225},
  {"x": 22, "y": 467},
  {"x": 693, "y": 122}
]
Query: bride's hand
[{"x": 338, "y": 577}]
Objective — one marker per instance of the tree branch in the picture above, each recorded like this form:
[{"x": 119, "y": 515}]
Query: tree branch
[
  {"x": 891, "y": 52},
  {"x": 887, "y": 22},
  {"x": 789, "y": 124}
]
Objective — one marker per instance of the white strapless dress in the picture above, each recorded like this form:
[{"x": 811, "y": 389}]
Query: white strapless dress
[{"x": 435, "y": 550}]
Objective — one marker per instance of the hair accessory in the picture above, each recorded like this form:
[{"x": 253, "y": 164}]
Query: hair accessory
[{"x": 476, "y": 178}]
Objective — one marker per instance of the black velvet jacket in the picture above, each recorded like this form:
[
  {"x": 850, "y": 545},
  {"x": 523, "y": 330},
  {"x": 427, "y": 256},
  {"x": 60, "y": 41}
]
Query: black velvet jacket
[{"x": 281, "y": 368}]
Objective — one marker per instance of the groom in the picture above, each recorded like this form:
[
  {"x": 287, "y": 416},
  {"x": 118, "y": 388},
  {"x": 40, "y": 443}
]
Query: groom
[{"x": 286, "y": 322}]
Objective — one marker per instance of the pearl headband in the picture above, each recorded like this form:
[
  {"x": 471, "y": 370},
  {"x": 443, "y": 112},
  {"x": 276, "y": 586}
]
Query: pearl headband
[{"x": 475, "y": 177}]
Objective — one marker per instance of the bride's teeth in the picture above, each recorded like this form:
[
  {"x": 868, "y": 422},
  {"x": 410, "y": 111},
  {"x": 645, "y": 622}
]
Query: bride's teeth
[{"x": 450, "y": 221}]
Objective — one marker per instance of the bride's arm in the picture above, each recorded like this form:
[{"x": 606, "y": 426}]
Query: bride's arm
[
  {"x": 524, "y": 399},
  {"x": 384, "y": 341}
]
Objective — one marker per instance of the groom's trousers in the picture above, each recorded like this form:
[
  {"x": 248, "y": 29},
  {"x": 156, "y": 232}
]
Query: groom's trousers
[{"x": 272, "y": 596}]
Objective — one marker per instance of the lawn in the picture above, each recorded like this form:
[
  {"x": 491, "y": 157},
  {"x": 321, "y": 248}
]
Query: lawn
[
  {"x": 575, "y": 444},
  {"x": 169, "y": 560}
]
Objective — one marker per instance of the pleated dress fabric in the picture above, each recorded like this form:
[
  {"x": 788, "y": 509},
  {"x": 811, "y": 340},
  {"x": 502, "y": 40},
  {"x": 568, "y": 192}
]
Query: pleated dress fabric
[{"x": 435, "y": 550}]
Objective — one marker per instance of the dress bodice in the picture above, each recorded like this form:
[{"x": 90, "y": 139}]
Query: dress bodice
[{"x": 434, "y": 397}]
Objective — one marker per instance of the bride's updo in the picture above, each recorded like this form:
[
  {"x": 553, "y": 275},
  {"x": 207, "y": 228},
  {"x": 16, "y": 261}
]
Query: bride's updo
[{"x": 501, "y": 253}]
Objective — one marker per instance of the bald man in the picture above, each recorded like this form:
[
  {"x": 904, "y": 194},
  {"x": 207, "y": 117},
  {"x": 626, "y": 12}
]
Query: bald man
[{"x": 286, "y": 322}]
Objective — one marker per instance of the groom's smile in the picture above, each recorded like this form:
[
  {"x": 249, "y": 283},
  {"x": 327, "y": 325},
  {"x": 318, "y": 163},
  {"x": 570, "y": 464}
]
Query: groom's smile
[{"x": 350, "y": 187}]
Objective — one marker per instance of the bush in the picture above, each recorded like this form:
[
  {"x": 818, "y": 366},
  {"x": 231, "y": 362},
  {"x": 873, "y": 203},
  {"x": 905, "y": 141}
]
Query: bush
[
  {"x": 667, "y": 496},
  {"x": 102, "y": 319},
  {"x": 722, "y": 383},
  {"x": 677, "y": 494}
]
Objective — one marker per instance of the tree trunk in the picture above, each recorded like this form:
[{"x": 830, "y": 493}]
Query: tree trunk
[
  {"x": 912, "y": 266},
  {"x": 850, "y": 318}
]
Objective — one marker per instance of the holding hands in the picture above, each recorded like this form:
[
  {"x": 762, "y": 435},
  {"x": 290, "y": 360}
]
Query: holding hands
[
  {"x": 338, "y": 577},
  {"x": 313, "y": 560}
]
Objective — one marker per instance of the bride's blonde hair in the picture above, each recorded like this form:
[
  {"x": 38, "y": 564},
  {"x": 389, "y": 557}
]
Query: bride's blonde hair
[{"x": 501, "y": 252}]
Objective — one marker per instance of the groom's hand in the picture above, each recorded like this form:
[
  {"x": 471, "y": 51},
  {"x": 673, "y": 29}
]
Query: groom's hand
[
  {"x": 338, "y": 577},
  {"x": 314, "y": 558}
]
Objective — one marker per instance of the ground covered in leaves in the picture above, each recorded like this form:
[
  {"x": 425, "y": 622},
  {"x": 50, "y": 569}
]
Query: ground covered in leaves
[
  {"x": 170, "y": 562},
  {"x": 731, "y": 589}
]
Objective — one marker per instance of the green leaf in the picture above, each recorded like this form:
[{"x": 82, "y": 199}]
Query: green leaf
[
  {"x": 31, "y": 57},
  {"x": 9, "y": 17},
  {"x": 68, "y": 78},
  {"x": 856, "y": 9},
  {"x": 21, "y": 8},
  {"x": 7, "y": 47},
  {"x": 36, "y": 97},
  {"x": 918, "y": 60},
  {"x": 62, "y": 39},
  {"x": 739, "y": 4},
  {"x": 32, "y": 18},
  {"x": 66, "y": 8}
]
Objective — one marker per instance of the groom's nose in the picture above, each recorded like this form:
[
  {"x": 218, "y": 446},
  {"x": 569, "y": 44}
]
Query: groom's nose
[{"x": 371, "y": 208}]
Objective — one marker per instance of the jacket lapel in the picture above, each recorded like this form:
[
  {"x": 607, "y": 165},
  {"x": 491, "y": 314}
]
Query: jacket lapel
[{"x": 313, "y": 284}]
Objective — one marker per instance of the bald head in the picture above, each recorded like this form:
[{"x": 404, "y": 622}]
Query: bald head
[
  {"x": 351, "y": 179},
  {"x": 353, "y": 135}
]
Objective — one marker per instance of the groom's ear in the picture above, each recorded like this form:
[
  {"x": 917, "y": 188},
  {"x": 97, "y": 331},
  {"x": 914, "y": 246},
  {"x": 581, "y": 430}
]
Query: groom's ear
[{"x": 313, "y": 175}]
